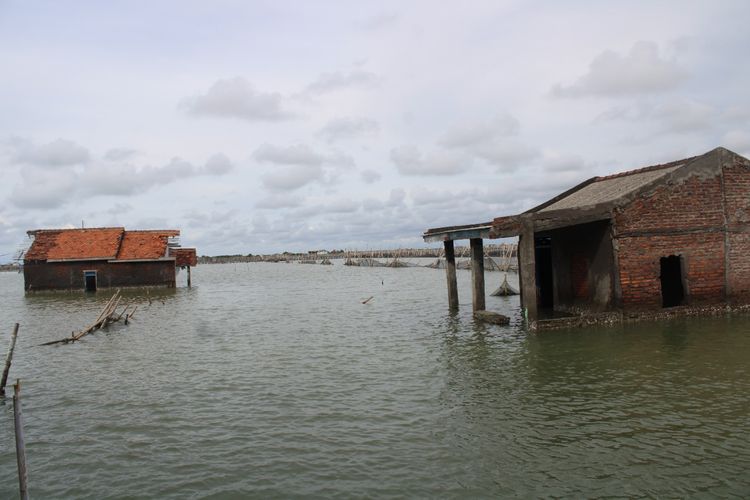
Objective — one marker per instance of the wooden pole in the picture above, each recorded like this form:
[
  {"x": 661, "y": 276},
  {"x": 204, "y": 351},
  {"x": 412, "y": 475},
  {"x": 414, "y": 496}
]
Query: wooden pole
[
  {"x": 188, "y": 276},
  {"x": 8, "y": 359},
  {"x": 20, "y": 445},
  {"x": 450, "y": 274},
  {"x": 477, "y": 273}
]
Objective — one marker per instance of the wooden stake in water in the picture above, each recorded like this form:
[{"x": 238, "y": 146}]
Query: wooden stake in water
[
  {"x": 20, "y": 445},
  {"x": 8, "y": 360}
]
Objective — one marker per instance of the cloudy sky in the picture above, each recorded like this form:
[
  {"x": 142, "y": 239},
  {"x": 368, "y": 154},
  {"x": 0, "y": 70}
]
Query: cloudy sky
[{"x": 263, "y": 126}]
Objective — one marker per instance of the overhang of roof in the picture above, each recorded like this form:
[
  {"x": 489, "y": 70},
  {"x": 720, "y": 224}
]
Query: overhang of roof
[{"x": 450, "y": 233}]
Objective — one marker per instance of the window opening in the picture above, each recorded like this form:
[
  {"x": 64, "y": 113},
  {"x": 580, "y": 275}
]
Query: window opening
[
  {"x": 672, "y": 290},
  {"x": 89, "y": 279}
]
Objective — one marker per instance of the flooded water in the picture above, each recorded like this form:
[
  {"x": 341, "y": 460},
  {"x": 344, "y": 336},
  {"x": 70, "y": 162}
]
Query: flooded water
[{"x": 275, "y": 381}]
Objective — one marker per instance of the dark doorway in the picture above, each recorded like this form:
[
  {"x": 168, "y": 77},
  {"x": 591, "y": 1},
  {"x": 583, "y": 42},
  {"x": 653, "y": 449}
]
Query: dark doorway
[
  {"x": 544, "y": 283},
  {"x": 89, "y": 279},
  {"x": 672, "y": 291}
]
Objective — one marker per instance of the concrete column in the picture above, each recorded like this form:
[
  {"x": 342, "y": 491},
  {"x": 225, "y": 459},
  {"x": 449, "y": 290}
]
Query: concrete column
[
  {"x": 477, "y": 273},
  {"x": 527, "y": 269},
  {"x": 450, "y": 274}
]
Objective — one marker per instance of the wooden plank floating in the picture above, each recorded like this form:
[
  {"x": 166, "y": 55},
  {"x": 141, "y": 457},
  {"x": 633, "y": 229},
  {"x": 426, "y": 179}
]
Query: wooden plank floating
[
  {"x": 8, "y": 359},
  {"x": 108, "y": 315}
]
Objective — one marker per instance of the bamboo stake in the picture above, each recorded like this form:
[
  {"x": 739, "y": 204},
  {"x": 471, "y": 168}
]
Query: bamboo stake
[
  {"x": 20, "y": 444},
  {"x": 8, "y": 359}
]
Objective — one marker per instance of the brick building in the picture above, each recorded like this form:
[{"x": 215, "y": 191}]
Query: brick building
[
  {"x": 87, "y": 259},
  {"x": 668, "y": 236}
]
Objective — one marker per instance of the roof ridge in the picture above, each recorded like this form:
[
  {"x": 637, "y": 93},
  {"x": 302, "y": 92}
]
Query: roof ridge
[{"x": 646, "y": 169}]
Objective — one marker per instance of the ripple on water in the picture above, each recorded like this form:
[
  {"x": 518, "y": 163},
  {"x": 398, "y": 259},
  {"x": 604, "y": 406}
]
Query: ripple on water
[{"x": 274, "y": 381}]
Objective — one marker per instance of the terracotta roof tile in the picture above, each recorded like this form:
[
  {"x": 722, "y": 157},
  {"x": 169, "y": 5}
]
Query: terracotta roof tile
[
  {"x": 144, "y": 245},
  {"x": 59, "y": 244},
  {"x": 98, "y": 243}
]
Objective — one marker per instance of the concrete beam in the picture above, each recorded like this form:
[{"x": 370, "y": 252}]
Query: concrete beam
[{"x": 527, "y": 269}]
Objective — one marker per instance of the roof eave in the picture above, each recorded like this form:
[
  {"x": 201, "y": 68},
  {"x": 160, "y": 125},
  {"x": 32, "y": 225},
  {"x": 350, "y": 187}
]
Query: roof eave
[{"x": 467, "y": 232}]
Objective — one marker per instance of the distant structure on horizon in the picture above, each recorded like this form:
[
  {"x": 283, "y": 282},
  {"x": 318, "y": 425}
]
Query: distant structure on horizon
[
  {"x": 104, "y": 257},
  {"x": 671, "y": 239}
]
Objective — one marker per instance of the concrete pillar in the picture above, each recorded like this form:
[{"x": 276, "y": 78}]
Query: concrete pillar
[
  {"x": 477, "y": 273},
  {"x": 527, "y": 269},
  {"x": 450, "y": 274}
]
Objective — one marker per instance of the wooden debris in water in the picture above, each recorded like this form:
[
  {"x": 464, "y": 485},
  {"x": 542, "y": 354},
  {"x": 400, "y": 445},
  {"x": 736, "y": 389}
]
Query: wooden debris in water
[
  {"x": 8, "y": 360},
  {"x": 368, "y": 299},
  {"x": 20, "y": 443},
  {"x": 108, "y": 315}
]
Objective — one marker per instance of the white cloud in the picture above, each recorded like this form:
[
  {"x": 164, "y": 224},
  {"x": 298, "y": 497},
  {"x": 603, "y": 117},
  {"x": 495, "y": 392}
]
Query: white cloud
[
  {"x": 379, "y": 21},
  {"x": 330, "y": 82},
  {"x": 218, "y": 164},
  {"x": 276, "y": 201},
  {"x": 409, "y": 160},
  {"x": 641, "y": 71},
  {"x": 506, "y": 155},
  {"x": 43, "y": 189},
  {"x": 348, "y": 128},
  {"x": 370, "y": 176},
  {"x": 477, "y": 133},
  {"x": 60, "y": 152},
  {"x": 120, "y": 154},
  {"x": 298, "y": 165},
  {"x": 677, "y": 115},
  {"x": 738, "y": 141},
  {"x": 491, "y": 141},
  {"x": 236, "y": 98},
  {"x": 289, "y": 178},
  {"x": 299, "y": 154}
]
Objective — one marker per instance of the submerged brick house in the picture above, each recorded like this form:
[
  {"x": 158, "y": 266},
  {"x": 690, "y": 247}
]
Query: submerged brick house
[
  {"x": 672, "y": 235},
  {"x": 87, "y": 259}
]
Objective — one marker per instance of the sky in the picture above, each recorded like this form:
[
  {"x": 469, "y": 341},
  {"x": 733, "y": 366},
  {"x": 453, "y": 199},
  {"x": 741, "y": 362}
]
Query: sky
[{"x": 268, "y": 126}]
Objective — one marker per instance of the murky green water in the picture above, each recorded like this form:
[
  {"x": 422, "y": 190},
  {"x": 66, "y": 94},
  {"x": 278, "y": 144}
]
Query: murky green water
[{"x": 274, "y": 381}]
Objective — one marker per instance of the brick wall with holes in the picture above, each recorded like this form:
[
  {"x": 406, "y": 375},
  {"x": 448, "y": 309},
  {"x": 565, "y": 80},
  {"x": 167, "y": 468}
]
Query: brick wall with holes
[{"x": 685, "y": 219}]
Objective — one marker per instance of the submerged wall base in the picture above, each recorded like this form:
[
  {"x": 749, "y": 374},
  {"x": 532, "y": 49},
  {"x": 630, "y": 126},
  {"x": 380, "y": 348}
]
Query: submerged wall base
[{"x": 617, "y": 317}]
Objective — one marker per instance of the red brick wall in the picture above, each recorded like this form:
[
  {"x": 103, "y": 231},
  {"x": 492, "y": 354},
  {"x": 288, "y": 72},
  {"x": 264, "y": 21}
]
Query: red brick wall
[
  {"x": 696, "y": 203},
  {"x": 737, "y": 196},
  {"x": 703, "y": 268},
  {"x": 685, "y": 218}
]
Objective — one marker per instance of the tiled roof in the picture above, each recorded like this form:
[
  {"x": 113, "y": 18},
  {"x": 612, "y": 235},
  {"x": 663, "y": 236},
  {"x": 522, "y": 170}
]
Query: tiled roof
[
  {"x": 62, "y": 244},
  {"x": 611, "y": 187},
  {"x": 111, "y": 243},
  {"x": 144, "y": 245}
]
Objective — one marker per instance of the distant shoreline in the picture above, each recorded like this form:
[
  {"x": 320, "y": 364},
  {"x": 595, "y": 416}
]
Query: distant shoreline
[{"x": 501, "y": 250}]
